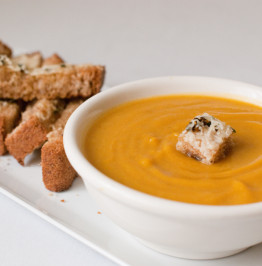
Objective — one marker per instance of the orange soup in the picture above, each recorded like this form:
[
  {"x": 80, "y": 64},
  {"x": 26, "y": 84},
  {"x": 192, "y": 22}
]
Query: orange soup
[{"x": 135, "y": 144}]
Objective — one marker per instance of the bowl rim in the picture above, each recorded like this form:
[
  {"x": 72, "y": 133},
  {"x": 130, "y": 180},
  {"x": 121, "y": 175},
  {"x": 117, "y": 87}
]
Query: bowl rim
[{"x": 135, "y": 198}]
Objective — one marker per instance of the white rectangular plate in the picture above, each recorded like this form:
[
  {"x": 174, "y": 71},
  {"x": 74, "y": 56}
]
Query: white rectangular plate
[{"x": 80, "y": 217}]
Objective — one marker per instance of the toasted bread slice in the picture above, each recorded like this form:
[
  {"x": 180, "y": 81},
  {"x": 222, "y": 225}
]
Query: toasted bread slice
[
  {"x": 9, "y": 116},
  {"x": 30, "y": 61},
  {"x": 32, "y": 131},
  {"x": 54, "y": 59},
  {"x": 58, "y": 174},
  {"x": 51, "y": 82},
  {"x": 5, "y": 50}
]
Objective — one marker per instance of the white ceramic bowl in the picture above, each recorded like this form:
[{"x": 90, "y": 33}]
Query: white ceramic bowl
[{"x": 175, "y": 228}]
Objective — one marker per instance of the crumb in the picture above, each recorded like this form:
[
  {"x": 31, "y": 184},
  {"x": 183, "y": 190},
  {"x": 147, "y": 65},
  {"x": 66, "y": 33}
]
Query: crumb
[
  {"x": 50, "y": 194},
  {"x": 98, "y": 212},
  {"x": 62, "y": 200}
]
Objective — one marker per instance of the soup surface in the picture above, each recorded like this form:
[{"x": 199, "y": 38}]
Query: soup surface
[{"x": 135, "y": 144}]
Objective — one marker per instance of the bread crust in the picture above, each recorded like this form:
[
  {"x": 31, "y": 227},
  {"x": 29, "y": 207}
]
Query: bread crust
[
  {"x": 9, "y": 116},
  {"x": 2, "y": 136},
  {"x": 50, "y": 82}
]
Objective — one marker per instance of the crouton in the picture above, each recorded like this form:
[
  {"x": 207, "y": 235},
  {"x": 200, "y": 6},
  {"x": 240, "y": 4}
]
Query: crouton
[
  {"x": 58, "y": 174},
  {"x": 51, "y": 82},
  {"x": 9, "y": 116},
  {"x": 54, "y": 59},
  {"x": 32, "y": 131},
  {"x": 30, "y": 61},
  {"x": 206, "y": 139},
  {"x": 5, "y": 50}
]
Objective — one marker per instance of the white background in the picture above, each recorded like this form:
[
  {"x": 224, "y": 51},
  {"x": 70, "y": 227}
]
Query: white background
[{"x": 134, "y": 39}]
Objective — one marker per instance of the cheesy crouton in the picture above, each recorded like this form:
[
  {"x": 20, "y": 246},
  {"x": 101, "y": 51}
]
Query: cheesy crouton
[{"x": 206, "y": 139}]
